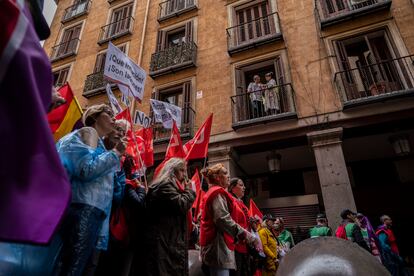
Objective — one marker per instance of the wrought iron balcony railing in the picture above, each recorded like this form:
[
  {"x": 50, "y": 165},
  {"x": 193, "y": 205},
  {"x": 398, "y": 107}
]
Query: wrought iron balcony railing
[
  {"x": 376, "y": 81},
  {"x": 94, "y": 84},
  {"x": 251, "y": 34},
  {"x": 268, "y": 104},
  {"x": 334, "y": 11},
  {"x": 64, "y": 49},
  {"x": 116, "y": 29},
  {"x": 178, "y": 57},
  {"x": 187, "y": 126},
  {"x": 171, "y": 8},
  {"x": 76, "y": 10}
]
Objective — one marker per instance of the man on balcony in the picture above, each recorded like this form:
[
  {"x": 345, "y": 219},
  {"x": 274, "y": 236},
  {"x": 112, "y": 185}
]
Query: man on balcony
[{"x": 255, "y": 91}]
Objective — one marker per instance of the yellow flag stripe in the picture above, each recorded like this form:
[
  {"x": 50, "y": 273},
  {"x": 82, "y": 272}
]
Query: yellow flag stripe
[{"x": 72, "y": 116}]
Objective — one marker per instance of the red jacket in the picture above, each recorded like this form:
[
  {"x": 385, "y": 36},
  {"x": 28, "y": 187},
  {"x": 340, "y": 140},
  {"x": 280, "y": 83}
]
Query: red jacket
[
  {"x": 208, "y": 229},
  {"x": 391, "y": 238},
  {"x": 242, "y": 218}
]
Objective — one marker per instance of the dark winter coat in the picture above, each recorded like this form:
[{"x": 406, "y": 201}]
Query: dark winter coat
[{"x": 166, "y": 234}]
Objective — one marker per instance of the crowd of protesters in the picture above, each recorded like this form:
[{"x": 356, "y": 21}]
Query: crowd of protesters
[{"x": 118, "y": 224}]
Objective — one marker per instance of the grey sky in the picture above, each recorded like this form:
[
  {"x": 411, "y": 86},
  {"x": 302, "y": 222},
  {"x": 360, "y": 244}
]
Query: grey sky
[{"x": 49, "y": 9}]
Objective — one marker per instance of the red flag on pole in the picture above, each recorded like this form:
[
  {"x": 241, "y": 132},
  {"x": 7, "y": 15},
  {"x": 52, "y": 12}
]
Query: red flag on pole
[
  {"x": 254, "y": 211},
  {"x": 145, "y": 146},
  {"x": 199, "y": 192},
  {"x": 131, "y": 148},
  {"x": 198, "y": 146},
  {"x": 175, "y": 148}
]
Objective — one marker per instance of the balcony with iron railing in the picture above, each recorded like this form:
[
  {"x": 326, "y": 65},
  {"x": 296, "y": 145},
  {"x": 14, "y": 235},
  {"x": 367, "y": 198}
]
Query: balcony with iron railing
[
  {"x": 332, "y": 12},
  {"x": 262, "y": 106},
  {"x": 162, "y": 134},
  {"x": 64, "y": 49},
  {"x": 254, "y": 33},
  {"x": 172, "y": 59},
  {"x": 116, "y": 29},
  {"x": 376, "y": 82},
  {"x": 174, "y": 8},
  {"x": 76, "y": 10},
  {"x": 95, "y": 84}
]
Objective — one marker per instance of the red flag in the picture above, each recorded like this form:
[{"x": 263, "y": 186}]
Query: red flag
[
  {"x": 131, "y": 148},
  {"x": 196, "y": 183},
  {"x": 145, "y": 146},
  {"x": 254, "y": 211},
  {"x": 200, "y": 193},
  {"x": 175, "y": 148},
  {"x": 198, "y": 146}
]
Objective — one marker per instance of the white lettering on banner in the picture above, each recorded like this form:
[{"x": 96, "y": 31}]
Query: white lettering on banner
[
  {"x": 120, "y": 68},
  {"x": 141, "y": 119},
  {"x": 116, "y": 108},
  {"x": 166, "y": 113}
]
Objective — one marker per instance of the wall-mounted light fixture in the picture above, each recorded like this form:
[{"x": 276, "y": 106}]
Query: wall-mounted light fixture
[
  {"x": 273, "y": 161},
  {"x": 400, "y": 144}
]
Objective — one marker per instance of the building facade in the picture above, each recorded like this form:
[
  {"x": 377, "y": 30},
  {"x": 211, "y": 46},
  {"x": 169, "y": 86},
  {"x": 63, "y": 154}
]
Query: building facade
[{"x": 331, "y": 130}]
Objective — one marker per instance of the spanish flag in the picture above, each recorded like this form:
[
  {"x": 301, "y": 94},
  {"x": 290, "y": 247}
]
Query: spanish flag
[{"x": 66, "y": 117}]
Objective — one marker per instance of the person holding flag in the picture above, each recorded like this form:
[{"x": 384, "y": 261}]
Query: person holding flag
[{"x": 169, "y": 200}]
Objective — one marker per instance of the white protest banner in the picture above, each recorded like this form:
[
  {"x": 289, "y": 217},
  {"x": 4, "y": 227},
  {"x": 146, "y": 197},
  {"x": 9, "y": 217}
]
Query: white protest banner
[
  {"x": 120, "y": 68},
  {"x": 165, "y": 113},
  {"x": 116, "y": 108},
  {"x": 125, "y": 94},
  {"x": 141, "y": 119}
]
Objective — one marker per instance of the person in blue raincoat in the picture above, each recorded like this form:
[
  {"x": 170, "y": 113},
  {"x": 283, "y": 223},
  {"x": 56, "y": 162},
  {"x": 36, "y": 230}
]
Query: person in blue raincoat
[{"x": 91, "y": 169}]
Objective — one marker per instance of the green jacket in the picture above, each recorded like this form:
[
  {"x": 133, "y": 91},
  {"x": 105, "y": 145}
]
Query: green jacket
[
  {"x": 286, "y": 238},
  {"x": 320, "y": 231}
]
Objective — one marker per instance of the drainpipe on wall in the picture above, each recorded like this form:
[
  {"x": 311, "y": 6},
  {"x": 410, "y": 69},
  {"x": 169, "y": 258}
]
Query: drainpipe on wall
[{"x": 141, "y": 50}]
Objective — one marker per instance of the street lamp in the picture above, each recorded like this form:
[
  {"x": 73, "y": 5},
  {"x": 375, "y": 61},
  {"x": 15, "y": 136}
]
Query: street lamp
[
  {"x": 401, "y": 144},
  {"x": 273, "y": 161}
]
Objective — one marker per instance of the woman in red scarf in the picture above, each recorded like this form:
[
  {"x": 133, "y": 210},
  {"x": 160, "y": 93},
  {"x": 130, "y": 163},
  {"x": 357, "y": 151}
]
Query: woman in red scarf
[{"x": 219, "y": 232}]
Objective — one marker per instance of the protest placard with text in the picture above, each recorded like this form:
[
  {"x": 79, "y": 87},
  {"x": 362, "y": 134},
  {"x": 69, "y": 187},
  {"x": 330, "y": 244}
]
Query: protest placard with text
[
  {"x": 166, "y": 113},
  {"x": 120, "y": 68},
  {"x": 116, "y": 108}
]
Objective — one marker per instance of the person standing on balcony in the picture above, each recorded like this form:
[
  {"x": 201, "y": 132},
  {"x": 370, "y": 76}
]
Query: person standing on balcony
[
  {"x": 271, "y": 104},
  {"x": 255, "y": 91}
]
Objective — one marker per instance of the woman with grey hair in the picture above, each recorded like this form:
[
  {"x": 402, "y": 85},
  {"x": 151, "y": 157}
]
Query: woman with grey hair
[{"x": 169, "y": 201}]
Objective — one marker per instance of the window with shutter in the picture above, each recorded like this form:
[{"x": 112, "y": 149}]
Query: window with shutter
[
  {"x": 60, "y": 76},
  {"x": 276, "y": 100},
  {"x": 100, "y": 59},
  {"x": 120, "y": 20},
  {"x": 253, "y": 22},
  {"x": 69, "y": 40},
  {"x": 365, "y": 66}
]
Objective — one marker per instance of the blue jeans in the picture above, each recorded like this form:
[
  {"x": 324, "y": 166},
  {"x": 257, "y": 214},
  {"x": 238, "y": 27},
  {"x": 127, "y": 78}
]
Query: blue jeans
[{"x": 219, "y": 271}]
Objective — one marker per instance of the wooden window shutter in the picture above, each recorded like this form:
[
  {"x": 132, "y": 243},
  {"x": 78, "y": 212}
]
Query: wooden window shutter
[
  {"x": 100, "y": 62},
  {"x": 161, "y": 37},
  {"x": 241, "y": 101},
  {"x": 186, "y": 118},
  {"x": 189, "y": 37},
  {"x": 279, "y": 74}
]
